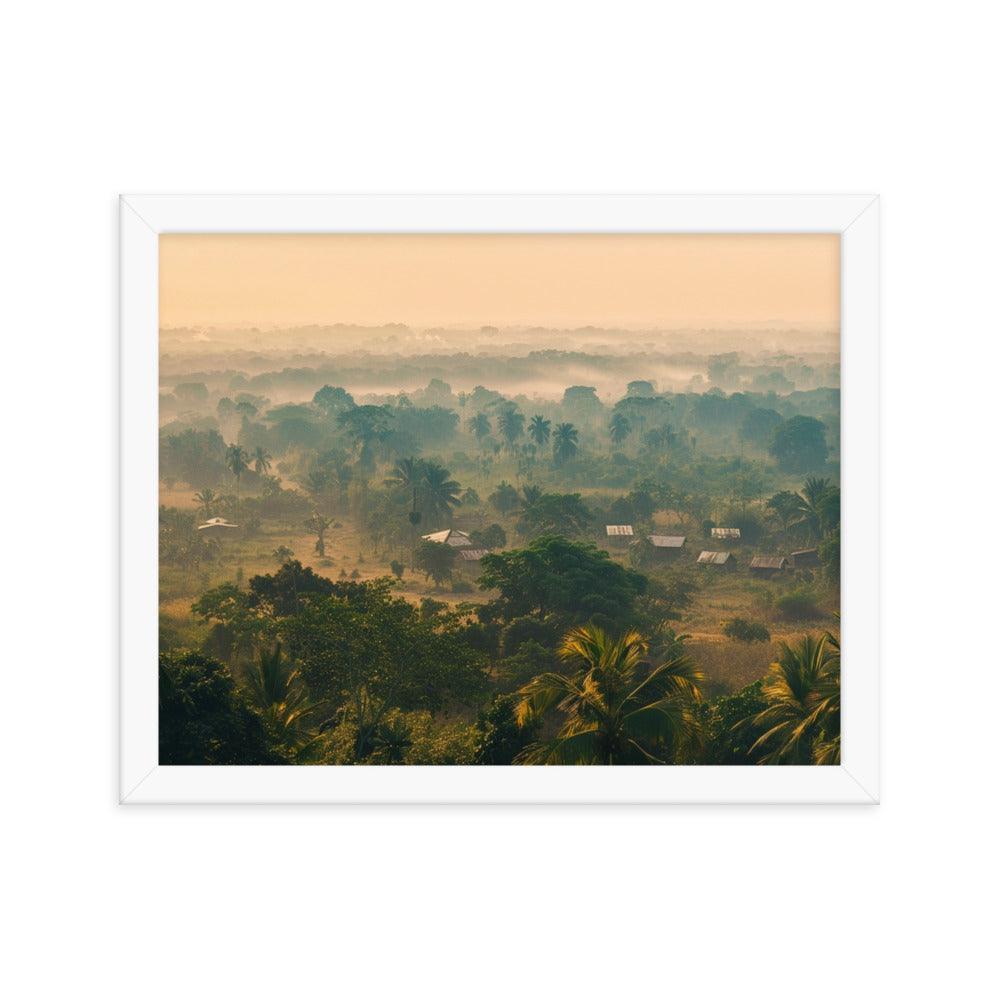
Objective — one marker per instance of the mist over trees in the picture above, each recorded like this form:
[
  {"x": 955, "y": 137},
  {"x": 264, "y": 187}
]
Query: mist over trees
[{"x": 489, "y": 552}]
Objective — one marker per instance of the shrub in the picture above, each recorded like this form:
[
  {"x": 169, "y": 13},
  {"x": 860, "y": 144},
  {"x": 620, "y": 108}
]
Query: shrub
[
  {"x": 798, "y": 605},
  {"x": 462, "y": 587},
  {"x": 397, "y": 569},
  {"x": 743, "y": 631}
]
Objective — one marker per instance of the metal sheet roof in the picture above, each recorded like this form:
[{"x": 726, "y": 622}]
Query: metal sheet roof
[
  {"x": 668, "y": 541},
  {"x": 725, "y": 532},
  {"x": 716, "y": 558},
  {"x": 768, "y": 562},
  {"x": 619, "y": 529},
  {"x": 459, "y": 539},
  {"x": 473, "y": 555}
]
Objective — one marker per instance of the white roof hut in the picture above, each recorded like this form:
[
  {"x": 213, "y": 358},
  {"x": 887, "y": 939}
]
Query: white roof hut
[
  {"x": 217, "y": 526},
  {"x": 456, "y": 539},
  {"x": 726, "y": 533}
]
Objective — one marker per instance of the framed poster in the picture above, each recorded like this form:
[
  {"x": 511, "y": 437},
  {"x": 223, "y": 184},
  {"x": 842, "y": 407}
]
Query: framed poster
[{"x": 499, "y": 499}]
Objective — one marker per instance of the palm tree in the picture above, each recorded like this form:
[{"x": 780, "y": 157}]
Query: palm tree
[
  {"x": 539, "y": 430},
  {"x": 320, "y": 525},
  {"x": 440, "y": 492},
  {"x": 511, "y": 425},
  {"x": 237, "y": 461},
  {"x": 812, "y": 506},
  {"x": 620, "y": 708},
  {"x": 564, "y": 443},
  {"x": 802, "y": 720},
  {"x": 530, "y": 494},
  {"x": 206, "y": 499},
  {"x": 619, "y": 428},
  {"x": 408, "y": 475},
  {"x": 261, "y": 461},
  {"x": 276, "y": 688},
  {"x": 479, "y": 425}
]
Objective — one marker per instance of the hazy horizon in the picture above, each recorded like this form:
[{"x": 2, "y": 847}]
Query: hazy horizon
[{"x": 642, "y": 283}]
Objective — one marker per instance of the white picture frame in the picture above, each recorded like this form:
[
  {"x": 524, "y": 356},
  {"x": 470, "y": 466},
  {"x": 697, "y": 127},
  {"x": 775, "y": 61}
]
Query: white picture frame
[{"x": 144, "y": 217}]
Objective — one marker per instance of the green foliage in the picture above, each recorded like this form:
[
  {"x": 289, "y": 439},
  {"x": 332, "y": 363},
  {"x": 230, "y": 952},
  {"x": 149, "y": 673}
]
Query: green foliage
[
  {"x": 743, "y": 631},
  {"x": 397, "y": 569},
  {"x": 504, "y": 498},
  {"x": 619, "y": 708},
  {"x": 575, "y": 581},
  {"x": 798, "y": 605},
  {"x": 283, "y": 593},
  {"x": 801, "y": 723},
  {"x": 499, "y": 736},
  {"x": 436, "y": 559},
  {"x": 203, "y": 719},
  {"x": 799, "y": 444},
  {"x": 730, "y": 732}
]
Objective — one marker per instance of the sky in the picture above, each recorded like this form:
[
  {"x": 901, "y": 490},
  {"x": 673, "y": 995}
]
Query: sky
[{"x": 636, "y": 281}]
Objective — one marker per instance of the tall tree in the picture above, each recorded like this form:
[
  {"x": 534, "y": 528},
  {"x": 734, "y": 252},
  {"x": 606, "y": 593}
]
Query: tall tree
[
  {"x": 511, "y": 425},
  {"x": 261, "y": 461},
  {"x": 319, "y": 525},
  {"x": 539, "y": 430},
  {"x": 237, "y": 461},
  {"x": 619, "y": 428},
  {"x": 206, "y": 500},
  {"x": 564, "y": 443},
  {"x": 801, "y": 724},
  {"x": 479, "y": 425},
  {"x": 619, "y": 708}
]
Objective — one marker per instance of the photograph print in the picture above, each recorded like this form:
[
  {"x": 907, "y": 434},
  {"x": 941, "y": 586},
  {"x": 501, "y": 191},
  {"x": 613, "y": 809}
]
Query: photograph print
[{"x": 499, "y": 499}]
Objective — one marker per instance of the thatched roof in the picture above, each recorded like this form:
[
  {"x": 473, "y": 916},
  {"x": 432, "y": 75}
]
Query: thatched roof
[
  {"x": 618, "y": 530},
  {"x": 716, "y": 558},
  {"x": 768, "y": 562},
  {"x": 668, "y": 541},
  {"x": 725, "y": 532},
  {"x": 458, "y": 539}
]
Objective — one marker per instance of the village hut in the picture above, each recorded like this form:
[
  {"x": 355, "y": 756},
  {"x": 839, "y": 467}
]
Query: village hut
[
  {"x": 729, "y": 534},
  {"x": 768, "y": 565},
  {"x": 471, "y": 557},
  {"x": 450, "y": 536},
  {"x": 725, "y": 559},
  {"x": 804, "y": 558},
  {"x": 619, "y": 534},
  {"x": 217, "y": 527},
  {"x": 667, "y": 546}
]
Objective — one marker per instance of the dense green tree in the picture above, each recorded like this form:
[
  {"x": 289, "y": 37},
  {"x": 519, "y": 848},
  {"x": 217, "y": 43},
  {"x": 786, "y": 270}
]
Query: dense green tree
[
  {"x": 799, "y": 444},
  {"x": 729, "y": 728},
  {"x": 203, "y": 719},
  {"x": 366, "y": 652},
  {"x": 437, "y": 560},
  {"x": 499, "y": 736},
  {"x": 206, "y": 500},
  {"x": 504, "y": 498},
  {"x": 574, "y": 581},
  {"x": 283, "y": 593}
]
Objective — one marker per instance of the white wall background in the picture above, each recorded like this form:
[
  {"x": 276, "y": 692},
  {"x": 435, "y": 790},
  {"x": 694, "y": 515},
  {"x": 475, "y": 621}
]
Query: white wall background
[{"x": 729, "y": 97}]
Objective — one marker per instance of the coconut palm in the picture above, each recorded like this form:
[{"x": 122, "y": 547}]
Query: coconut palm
[
  {"x": 530, "y": 494},
  {"x": 441, "y": 492},
  {"x": 815, "y": 505},
  {"x": 510, "y": 423},
  {"x": 479, "y": 425},
  {"x": 564, "y": 443},
  {"x": 539, "y": 430},
  {"x": 237, "y": 461},
  {"x": 801, "y": 724},
  {"x": 261, "y": 461},
  {"x": 619, "y": 707},
  {"x": 276, "y": 688},
  {"x": 619, "y": 428},
  {"x": 206, "y": 500}
]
